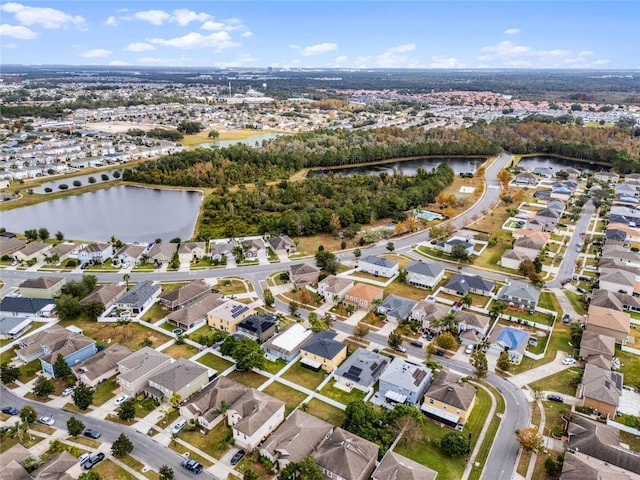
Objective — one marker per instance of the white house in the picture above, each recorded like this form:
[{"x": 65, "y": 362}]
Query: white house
[
  {"x": 378, "y": 266},
  {"x": 253, "y": 417},
  {"x": 334, "y": 287},
  {"x": 424, "y": 274},
  {"x": 96, "y": 253}
]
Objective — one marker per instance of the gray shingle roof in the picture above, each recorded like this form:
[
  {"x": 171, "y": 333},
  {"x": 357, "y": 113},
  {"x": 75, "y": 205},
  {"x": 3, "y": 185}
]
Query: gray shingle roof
[
  {"x": 379, "y": 261},
  {"x": 396, "y": 467},
  {"x": 602, "y": 385},
  {"x": 463, "y": 283},
  {"x": 346, "y": 454},
  {"x": 24, "y": 304},
  {"x": 450, "y": 390},
  {"x": 177, "y": 375},
  {"x": 522, "y": 290},
  {"x": 323, "y": 345},
  {"x": 363, "y": 367},
  {"x": 397, "y": 306},
  {"x": 405, "y": 374},
  {"x": 429, "y": 269},
  {"x": 139, "y": 294}
]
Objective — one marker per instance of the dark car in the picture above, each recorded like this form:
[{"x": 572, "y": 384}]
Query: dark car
[
  {"x": 237, "y": 457},
  {"x": 89, "y": 464},
  {"x": 192, "y": 465},
  {"x": 10, "y": 410},
  {"x": 95, "y": 434},
  {"x": 417, "y": 343},
  {"x": 566, "y": 318},
  {"x": 555, "y": 398},
  {"x": 439, "y": 353}
]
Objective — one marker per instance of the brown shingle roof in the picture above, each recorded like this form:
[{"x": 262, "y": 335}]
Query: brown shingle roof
[
  {"x": 41, "y": 282},
  {"x": 608, "y": 318},
  {"x": 105, "y": 294},
  {"x": 186, "y": 292},
  {"x": 207, "y": 402},
  {"x": 450, "y": 390},
  {"x": 346, "y": 454},
  {"x": 396, "y": 467},
  {"x": 177, "y": 375},
  {"x": 254, "y": 408}
]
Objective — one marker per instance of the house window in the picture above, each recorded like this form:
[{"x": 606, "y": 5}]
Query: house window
[{"x": 431, "y": 401}]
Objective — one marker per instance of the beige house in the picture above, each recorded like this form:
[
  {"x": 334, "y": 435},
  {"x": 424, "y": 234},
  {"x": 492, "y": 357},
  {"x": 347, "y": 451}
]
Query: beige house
[
  {"x": 42, "y": 287},
  {"x": 228, "y": 315},
  {"x": 322, "y": 351},
  {"x": 346, "y": 456},
  {"x": 302, "y": 274},
  {"x": 282, "y": 245},
  {"x": 253, "y": 417},
  {"x": 136, "y": 369},
  {"x": 42, "y": 343},
  {"x": 191, "y": 251},
  {"x": 107, "y": 295},
  {"x": 363, "y": 296},
  {"x": 33, "y": 251},
  {"x": 512, "y": 259},
  {"x": 593, "y": 343},
  {"x": 10, "y": 245},
  {"x": 205, "y": 406},
  {"x": 181, "y": 378},
  {"x": 196, "y": 313},
  {"x": 63, "y": 251},
  {"x": 334, "y": 287},
  {"x": 609, "y": 322},
  {"x": 449, "y": 400},
  {"x": 162, "y": 252},
  {"x": 426, "y": 312},
  {"x": 101, "y": 366},
  {"x": 530, "y": 245}
]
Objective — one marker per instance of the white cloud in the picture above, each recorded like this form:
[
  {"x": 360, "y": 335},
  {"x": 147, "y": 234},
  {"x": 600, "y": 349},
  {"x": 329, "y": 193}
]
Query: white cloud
[
  {"x": 242, "y": 61},
  {"x": 112, "y": 21},
  {"x": 140, "y": 47},
  {"x": 46, "y": 17},
  {"x": 154, "y": 17},
  {"x": 509, "y": 54},
  {"x": 218, "y": 41},
  {"x": 184, "y": 16},
  {"x": 16, "y": 31},
  {"x": 157, "y": 60},
  {"x": 393, "y": 57},
  {"x": 602, "y": 61},
  {"x": 247, "y": 34},
  {"x": 118, "y": 63},
  {"x": 402, "y": 48},
  {"x": 228, "y": 25},
  {"x": 97, "y": 53},
  {"x": 341, "y": 60},
  {"x": 506, "y": 49},
  {"x": 318, "y": 49},
  {"x": 511, "y": 31},
  {"x": 439, "y": 61}
]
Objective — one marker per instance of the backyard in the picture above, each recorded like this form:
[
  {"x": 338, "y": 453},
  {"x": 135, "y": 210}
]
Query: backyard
[
  {"x": 340, "y": 395},
  {"x": 249, "y": 379},
  {"x": 560, "y": 382},
  {"x": 303, "y": 376},
  {"x": 215, "y": 362},
  {"x": 130, "y": 335},
  {"x": 291, "y": 397},
  {"x": 326, "y": 412}
]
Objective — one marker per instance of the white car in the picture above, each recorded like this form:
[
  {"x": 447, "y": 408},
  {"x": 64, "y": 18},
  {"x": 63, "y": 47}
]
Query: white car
[
  {"x": 68, "y": 391},
  {"x": 469, "y": 349},
  {"x": 46, "y": 420},
  {"x": 121, "y": 399},
  {"x": 178, "y": 426},
  {"x": 568, "y": 361},
  {"x": 83, "y": 458}
]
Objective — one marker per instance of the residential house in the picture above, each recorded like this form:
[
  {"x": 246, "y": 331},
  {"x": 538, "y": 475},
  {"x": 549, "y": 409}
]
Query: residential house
[
  {"x": 25, "y": 306},
  {"x": 616, "y": 237},
  {"x": 424, "y": 274},
  {"x": 42, "y": 343},
  {"x": 601, "y": 390},
  {"x": 227, "y": 315},
  {"x": 543, "y": 171},
  {"x": 608, "y": 177},
  {"x": 362, "y": 296},
  {"x": 578, "y": 466},
  {"x": 426, "y": 312},
  {"x": 520, "y": 294},
  {"x": 195, "y": 314},
  {"x": 396, "y": 467},
  {"x": 179, "y": 379},
  {"x": 404, "y": 382},
  {"x": 632, "y": 178},
  {"x": 378, "y": 266},
  {"x": 96, "y": 253},
  {"x": 462, "y": 284},
  {"x": 613, "y": 300},
  {"x": 572, "y": 172},
  {"x": 609, "y": 322},
  {"x": 545, "y": 220},
  {"x": 526, "y": 179},
  {"x": 62, "y": 251},
  {"x": 396, "y": 308},
  {"x": 511, "y": 340},
  {"x": 523, "y": 232},
  {"x": 322, "y": 351},
  {"x": 258, "y": 327},
  {"x": 530, "y": 246},
  {"x": 601, "y": 441},
  {"x": 74, "y": 349},
  {"x": 184, "y": 295},
  {"x": 346, "y": 456},
  {"x": 130, "y": 254},
  {"x": 191, "y": 252},
  {"x": 448, "y": 245},
  {"x": 621, "y": 254},
  {"x": 513, "y": 258},
  {"x": 253, "y": 248},
  {"x": 9, "y": 245},
  {"x": 467, "y": 320},
  {"x": 286, "y": 345},
  {"x": 141, "y": 296},
  {"x": 12, "y": 327},
  {"x": 101, "y": 366},
  {"x": 561, "y": 192},
  {"x": 58, "y": 467},
  {"x": 361, "y": 370},
  {"x": 253, "y": 417},
  {"x": 298, "y": 437},
  {"x": 107, "y": 294},
  {"x": 619, "y": 281},
  {"x": 11, "y": 463},
  {"x": 448, "y": 399},
  {"x": 613, "y": 263},
  {"x": 303, "y": 274},
  {"x": 136, "y": 369},
  {"x": 206, "y": 406},
  {"x": 219, "y": 250},
  {"x": 162, "y": 253},
  {"x": 33, "y": 251},
  {"x": 333, "y": 288},
  {"x": 626, "y": 189},
  {"x": 42, "y": 287},
  {"x": 282, "y": 245},
  {"x": 556, "y": 204},
  {"x": 593, "y": 343},
  {"x": 625, "y": 215}
]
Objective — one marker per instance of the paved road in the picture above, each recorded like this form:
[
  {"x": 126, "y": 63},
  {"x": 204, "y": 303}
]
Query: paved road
[
  {"x": 145, "y": 449},
  {"x": 571, "y": 256}
]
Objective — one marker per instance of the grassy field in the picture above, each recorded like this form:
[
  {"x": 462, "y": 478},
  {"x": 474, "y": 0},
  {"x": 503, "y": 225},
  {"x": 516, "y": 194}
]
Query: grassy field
[
  {"x": 274, "y": 367},
  {"x": 631, "y": 368},
  {"x": 181, "y": 449},
  {"x": 203, "y": 136},
  {"x": 291, "y": 397},
  {"x": 403, "y": 290},
  {"x": 155, "y": 313},
  {"x": 341, "y": 396},
  {"x": 180, "y": 351},
  {"x": 326, "y": 412},
  {"x": 560, "y": 382},
  {"x": 227, "y": 286},
  {"x": 576, "y": 302},
  {"x": 130, "y": 335},
  {"x": 250, "y": 379},
  {"x": 29, "y": 440},
  {"x": 303, "y": 376},
  {"x": 210, "y": 360},
  {"x": 104, "y": 391},
  {"x": 108, "y": 469},
  {"x": 215, "y": 442}
]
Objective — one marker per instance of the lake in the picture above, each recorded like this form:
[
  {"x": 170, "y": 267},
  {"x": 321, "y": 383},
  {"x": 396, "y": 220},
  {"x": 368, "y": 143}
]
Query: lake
[
  {"x": 84, "y": 179},
  {"x": 556, "y": 163},
  {"x": 132, "y": 214},
  {"x": 407, "y": 167}
]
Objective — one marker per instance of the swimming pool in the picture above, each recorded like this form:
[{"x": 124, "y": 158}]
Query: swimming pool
[{"x": 428, "y": 215}]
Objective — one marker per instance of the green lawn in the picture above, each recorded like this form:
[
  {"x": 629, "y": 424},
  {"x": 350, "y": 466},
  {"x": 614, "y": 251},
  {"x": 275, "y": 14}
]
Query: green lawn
[
  {"x": 537, "y": 317},
  {"x": 108, "y": 469},
  {"x": 211, "y": 360},
  {"x": 559, "y": 341},
  {"x": 326, "y": 412},
  {"x": 340, "y": 395},
  {"x": 560, "y": 382},
  {"x": 215, "y": 442},
  {"x": 553, "y": 415},
  {"x": 250, "y": 379},
  {"x": 155, "y": 313},
  {"x": 630, "y": 439},
  {"x": 291, "y": 397},
  {"x": 576, "y": 302},
  {"x": 104, "y": 391},
  {"x": 274, "y": 367},
  {"x": 29, "y": 370},
  {"x": 29, "y": 440},
  {"x": 549, "y": 301},
  {"x": 631, "y": 368},
  {"x": 303, "y": 376}
]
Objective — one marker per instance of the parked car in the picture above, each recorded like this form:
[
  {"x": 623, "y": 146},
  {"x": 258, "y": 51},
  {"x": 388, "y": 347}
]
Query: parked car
[
  {"x": 95, "y": 434},
  {"x": 93, "y": 461},
  {"x": 178, "y": 426},
  {"x": 68, "y": 391},
  {"x": 439, "y": 353},
  {"x": 83, "y": 458},
  {"x": 555, "y": 398},
  {"x": 46, "y": 420},
  {"x": 121, "y": 399},
  {"x": 401, "y": 349},
  {"x": 192, "y": 465},
  {"x": 10, "y": 410},
  {"x": 566, "y": 318},
  {"x": 568, "y": 361},
  {"x": 237, "y": 457},
  {"x": 417, "y": 343},
  {"x": 469, "y": 349},
  {"x": 581, "y": 290}
]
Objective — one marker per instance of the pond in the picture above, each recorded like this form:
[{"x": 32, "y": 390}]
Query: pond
[
  {"x": 407, "y": 167},
  {"x": 556, "y": 163},
  {"x": 130, "y": 213},
  {"x": 253, "y": 140},
  {"x": 83, "y": 179}
]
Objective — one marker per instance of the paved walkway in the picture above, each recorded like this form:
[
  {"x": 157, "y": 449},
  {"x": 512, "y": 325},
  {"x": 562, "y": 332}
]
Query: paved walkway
[
  {"x": 483, "y": 433},
  {"x": 538, "y": 373}
]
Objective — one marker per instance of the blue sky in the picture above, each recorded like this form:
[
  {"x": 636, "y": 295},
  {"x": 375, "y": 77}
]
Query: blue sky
[{"x": 307, "y": 33}]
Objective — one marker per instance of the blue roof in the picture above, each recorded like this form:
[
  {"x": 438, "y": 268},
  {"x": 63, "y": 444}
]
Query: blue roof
[{"x": 512, "y": 337}]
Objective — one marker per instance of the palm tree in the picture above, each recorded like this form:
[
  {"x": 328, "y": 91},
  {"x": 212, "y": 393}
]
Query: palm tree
[
  {"x": 126, "y": 278},
  {"x": 467, "y": 300},
  {"x": 175, "y": 399}
]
